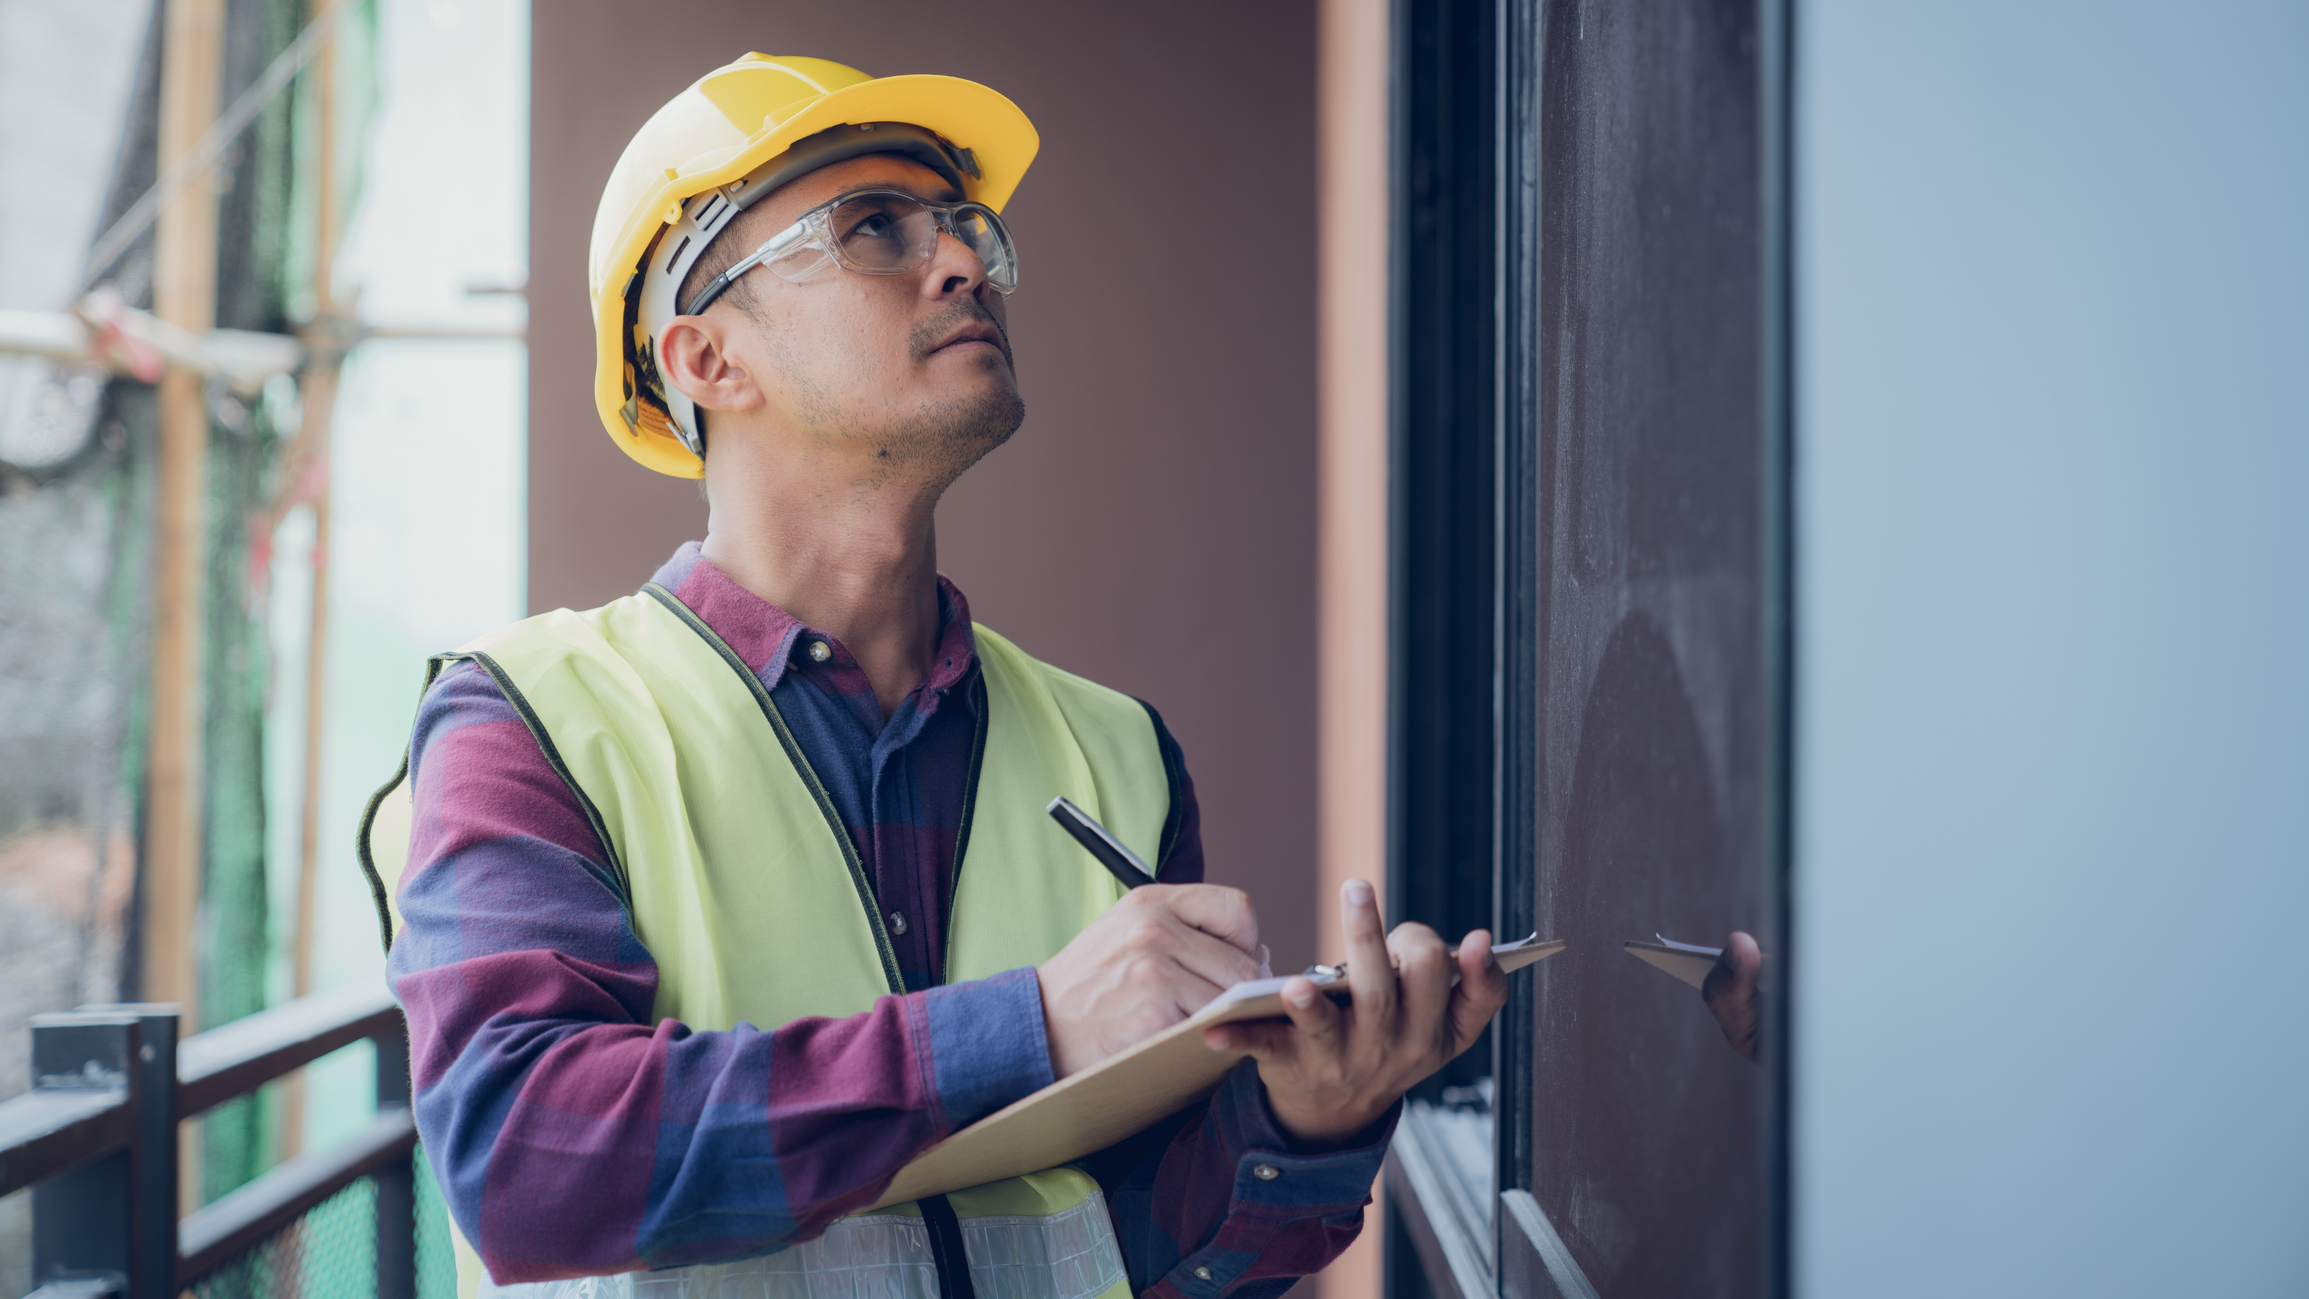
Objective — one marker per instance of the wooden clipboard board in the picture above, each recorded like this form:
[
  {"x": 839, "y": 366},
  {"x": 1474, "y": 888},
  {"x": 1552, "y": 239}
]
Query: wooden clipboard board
[{"x": 1119, "y": 1096}]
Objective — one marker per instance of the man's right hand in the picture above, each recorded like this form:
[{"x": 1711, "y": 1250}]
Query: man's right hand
[{"x": 1156, "y": 957}]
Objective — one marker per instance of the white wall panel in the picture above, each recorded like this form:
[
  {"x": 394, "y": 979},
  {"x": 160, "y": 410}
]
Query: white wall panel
[{"x": 2053, "y": 735}]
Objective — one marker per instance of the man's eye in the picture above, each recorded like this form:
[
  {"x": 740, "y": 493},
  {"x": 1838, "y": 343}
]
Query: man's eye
[{"x": 877, "y": 226}]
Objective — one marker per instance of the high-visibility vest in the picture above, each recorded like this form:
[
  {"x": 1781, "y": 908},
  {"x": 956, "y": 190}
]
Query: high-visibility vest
[{"x": 744, "y": 885}]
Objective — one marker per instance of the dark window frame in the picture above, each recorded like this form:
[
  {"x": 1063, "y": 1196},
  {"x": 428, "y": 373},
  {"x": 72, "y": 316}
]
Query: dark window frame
[
  {"x": 1464, "y": 530},
  {"x": 1443, "y": 540}
]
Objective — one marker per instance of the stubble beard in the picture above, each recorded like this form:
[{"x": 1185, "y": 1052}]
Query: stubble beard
[
  {"x": 944, "y": 440},
  {"x": 934, "y": 442}
]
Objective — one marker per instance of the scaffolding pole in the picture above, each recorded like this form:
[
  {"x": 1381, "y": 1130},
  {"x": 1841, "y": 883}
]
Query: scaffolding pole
[
  {"x": 320, "y": 399},
  {"x": 184, "y": 295}
]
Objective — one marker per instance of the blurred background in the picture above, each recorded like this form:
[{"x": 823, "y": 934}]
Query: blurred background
[
  {"x": 1624, "y": 472},
  {"x": 361, "y": 505}
]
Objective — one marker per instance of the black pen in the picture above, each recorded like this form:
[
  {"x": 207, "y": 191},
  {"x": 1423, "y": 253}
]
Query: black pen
[{"x": 1101, "y": 843}]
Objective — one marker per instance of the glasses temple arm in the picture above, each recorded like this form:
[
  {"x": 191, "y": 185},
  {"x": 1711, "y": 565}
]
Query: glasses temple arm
[{"x": 721, "y": 283}]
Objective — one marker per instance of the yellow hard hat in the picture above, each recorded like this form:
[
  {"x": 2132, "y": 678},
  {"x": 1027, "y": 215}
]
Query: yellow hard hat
[{"x": 740, "y": 132}]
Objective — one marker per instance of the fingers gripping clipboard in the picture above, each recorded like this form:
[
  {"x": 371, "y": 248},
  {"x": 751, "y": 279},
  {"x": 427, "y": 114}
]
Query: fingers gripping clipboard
[{"x": 1122, "y": 1094}]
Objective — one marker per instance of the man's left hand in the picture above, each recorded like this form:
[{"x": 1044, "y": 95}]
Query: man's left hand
[{"x": 1332, "y": 1071}]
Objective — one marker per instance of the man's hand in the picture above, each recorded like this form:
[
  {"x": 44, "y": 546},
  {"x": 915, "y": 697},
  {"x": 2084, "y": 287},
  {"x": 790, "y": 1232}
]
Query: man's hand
[
  {"x": 1332, "y": 1071},
  {"x": 1730, "y": 991},
  {"x": 1153, "y": 959}
]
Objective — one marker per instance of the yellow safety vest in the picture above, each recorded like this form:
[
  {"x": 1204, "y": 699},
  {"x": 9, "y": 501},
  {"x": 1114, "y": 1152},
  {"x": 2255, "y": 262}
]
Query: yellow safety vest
[{"x": 746, "y": 888}]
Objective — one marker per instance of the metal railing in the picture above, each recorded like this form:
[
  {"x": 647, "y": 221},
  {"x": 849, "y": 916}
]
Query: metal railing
[{"x": 96, "y": 1140}]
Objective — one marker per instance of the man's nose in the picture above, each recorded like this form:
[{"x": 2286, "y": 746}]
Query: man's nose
[{"x": 954, "y": 267}]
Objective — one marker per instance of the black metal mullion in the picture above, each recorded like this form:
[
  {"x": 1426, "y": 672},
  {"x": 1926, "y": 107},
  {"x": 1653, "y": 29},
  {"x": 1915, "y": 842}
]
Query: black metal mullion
[
  {"x": 1441, "y": 507},
  {"x": 1515, "y": 767},
  {"x": 396, "y": 1178},
  {"x": 1441, "y": 533},
  {"x": 1775, "y": 141}
]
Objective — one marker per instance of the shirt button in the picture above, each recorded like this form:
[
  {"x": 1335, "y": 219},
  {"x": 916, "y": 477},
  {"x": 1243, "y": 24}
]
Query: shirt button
[
  {"x": 1266, "y": 1172},
  {"x": 897, "y": 922},
  {"x": 820, "y": 651},
  {"x": 1202, "y": 1274}
]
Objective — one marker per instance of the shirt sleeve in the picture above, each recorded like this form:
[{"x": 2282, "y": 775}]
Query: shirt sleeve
[
  {"x": 573, "y": 1133},
  {"x": 1218, "y": 1199}
]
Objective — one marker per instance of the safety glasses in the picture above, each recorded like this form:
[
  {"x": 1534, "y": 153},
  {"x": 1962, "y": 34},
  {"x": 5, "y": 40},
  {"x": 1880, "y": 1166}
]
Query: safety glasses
[{"x": 875, "y": 232}]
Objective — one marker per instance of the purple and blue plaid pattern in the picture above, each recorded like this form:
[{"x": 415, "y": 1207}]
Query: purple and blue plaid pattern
[{"x": 574, "y": 1136}]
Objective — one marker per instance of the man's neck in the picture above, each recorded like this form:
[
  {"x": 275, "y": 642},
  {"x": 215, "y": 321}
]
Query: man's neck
[{"x": 852, "y": 554}]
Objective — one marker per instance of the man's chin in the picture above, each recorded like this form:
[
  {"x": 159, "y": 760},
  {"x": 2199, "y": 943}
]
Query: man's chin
[
  {"x": 989, "y": 417},
  {"x": 953, "y": 434}
]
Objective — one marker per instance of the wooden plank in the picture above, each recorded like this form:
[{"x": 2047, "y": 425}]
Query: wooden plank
[
  {"x": 184, "y": 294},
  {"x": 44, "y": 1133},
  {"x": 310, "y": 465},
  {"x": 1112, "y": 1099},
  {"x": 232, "y": 1059}
]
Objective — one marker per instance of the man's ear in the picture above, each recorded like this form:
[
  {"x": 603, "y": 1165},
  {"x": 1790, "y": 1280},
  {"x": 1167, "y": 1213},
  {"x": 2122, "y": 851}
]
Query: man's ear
[{"x": 694, "y": 356}]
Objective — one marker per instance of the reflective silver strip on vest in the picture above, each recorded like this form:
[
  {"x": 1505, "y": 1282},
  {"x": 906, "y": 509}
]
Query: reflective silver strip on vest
[{"x": 1069, "y": 1255}]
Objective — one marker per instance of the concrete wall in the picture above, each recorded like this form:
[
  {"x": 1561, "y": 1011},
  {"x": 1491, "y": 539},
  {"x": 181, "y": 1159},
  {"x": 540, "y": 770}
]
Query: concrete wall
[
  {"x": 2051, "y": 858},
  {"x": 1153, "y": 524}
]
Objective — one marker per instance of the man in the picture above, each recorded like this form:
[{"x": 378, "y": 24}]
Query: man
[{"x": 726, "y": 899}]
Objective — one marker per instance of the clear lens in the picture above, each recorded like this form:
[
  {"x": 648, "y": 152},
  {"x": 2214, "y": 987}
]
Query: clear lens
[
  {"x": 982, "y": 233},
  {"x": 887, "y": 233},
  {"x": 803, "y": 263},
  {"x": 883, "y": 232}
]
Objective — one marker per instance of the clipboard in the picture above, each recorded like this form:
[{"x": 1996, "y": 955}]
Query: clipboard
[
  {"x": 1122, "y": 1094},
  {"x": 1686, "y": 962}
]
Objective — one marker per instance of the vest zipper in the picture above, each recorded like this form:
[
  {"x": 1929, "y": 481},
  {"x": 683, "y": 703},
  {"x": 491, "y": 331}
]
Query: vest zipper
[
  {"x": 825, "y": 801},
  {"x": 945, "y": 1228}
]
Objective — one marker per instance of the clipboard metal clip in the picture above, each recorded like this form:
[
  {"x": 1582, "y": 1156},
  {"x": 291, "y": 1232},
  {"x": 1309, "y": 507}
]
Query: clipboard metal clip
[{"x": 1336, "y": 973}]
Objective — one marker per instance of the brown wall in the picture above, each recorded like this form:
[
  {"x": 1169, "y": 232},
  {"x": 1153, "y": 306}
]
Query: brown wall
[
  {"x": 1153, "y": 524},
  {"x": 1352, "y": 387}
]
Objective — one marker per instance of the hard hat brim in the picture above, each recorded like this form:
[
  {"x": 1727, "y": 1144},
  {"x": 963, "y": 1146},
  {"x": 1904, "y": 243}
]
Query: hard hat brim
[{"x": 975, "y": 117}]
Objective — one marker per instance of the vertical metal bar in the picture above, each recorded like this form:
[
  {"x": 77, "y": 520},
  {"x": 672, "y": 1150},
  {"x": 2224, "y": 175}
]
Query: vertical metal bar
[
  {"x": 1405, "y": 84},
  {"x": 153, "y": 1152},
  {"x": 1516, "y": 624},
  {"x": 1776, "y": 46},
  {"x": 1441, "y": 527},
  {"x": 1443, "y": 530},
  {"x": 396, "y": 1181},
  {"x": 80, "y": 1221},
  {"x": 393, "y": 1068},
  {"x": 397, "y": 1229}
]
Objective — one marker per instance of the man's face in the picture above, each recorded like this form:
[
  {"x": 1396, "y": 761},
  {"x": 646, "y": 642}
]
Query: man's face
[{"x": 914, "y": 369}]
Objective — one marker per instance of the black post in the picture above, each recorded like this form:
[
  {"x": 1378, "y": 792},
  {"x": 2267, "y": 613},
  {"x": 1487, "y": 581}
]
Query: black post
[
  {"x": 152, "y": 1150},
  {"x": 1516, "y": 612},
  {"x": 1442, "y": 530},
  {"x": 80, "y": 1220},
  {"x": 397, "y": 1180}
]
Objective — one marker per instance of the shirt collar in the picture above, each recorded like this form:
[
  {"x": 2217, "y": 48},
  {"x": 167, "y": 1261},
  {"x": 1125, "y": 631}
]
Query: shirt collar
[{"x": 767, "y": 637}]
